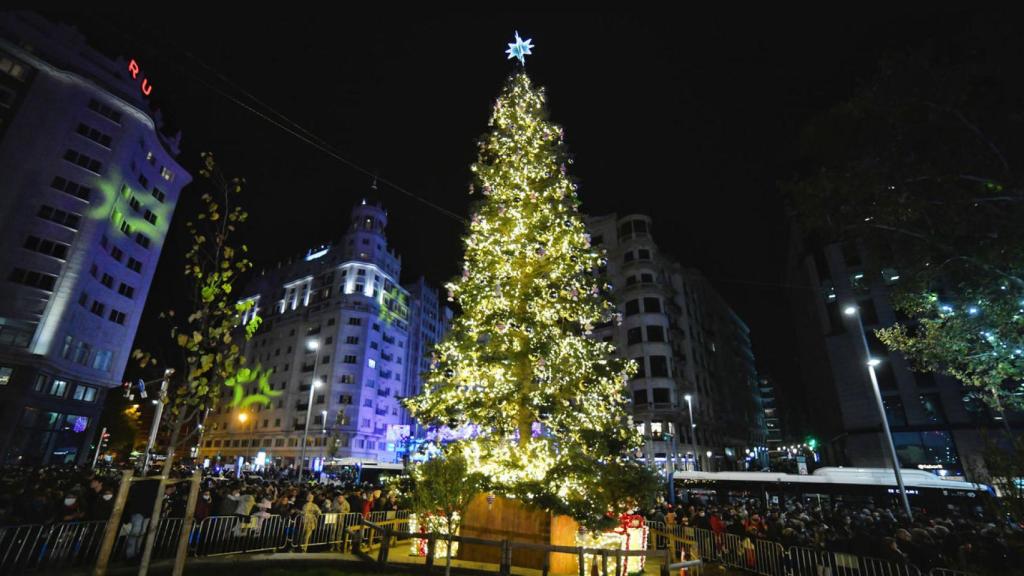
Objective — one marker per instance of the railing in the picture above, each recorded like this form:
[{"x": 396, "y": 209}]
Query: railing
[
  {"x": 608, "y": 562},
  {"x": 74, "y": 544},
  {"x": 51, "y": 547},
  {"x": 768, "y": 558}
]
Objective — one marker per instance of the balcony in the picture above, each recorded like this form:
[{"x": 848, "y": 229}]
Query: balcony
[{"x": 651, "y": 406}]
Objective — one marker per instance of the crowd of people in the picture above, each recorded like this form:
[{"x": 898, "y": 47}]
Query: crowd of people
[
  {"x": 950, "y": 540},
  {"x": 55, "y": 494},
  {"x": 68, "y": 494}
]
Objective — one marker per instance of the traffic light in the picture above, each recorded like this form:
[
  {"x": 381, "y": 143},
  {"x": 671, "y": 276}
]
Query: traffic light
[
  {"x": 126, "y": 387},
  {"x": 812, "y": 443}
]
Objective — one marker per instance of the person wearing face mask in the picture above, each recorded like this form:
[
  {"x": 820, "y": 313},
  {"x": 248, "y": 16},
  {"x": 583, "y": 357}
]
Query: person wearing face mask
[
  {"x": 203, "y": 505},
  {"x": 230, "y": 502},
  {"x": 103, "y": 506},
  {"x": 72, "y": 510}
]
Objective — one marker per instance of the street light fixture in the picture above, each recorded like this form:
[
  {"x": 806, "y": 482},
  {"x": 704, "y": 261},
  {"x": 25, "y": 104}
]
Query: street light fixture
[
  {"x": 312, "y": 345},
  {"x": 852, "y": 310}
]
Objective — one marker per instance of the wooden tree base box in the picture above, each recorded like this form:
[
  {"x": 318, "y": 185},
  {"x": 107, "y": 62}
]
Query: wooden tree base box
[{"x": 508, "y": 519}]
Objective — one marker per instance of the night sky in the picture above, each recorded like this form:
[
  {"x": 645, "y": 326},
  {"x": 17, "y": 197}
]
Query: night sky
[{"x": 692, "y": 118}]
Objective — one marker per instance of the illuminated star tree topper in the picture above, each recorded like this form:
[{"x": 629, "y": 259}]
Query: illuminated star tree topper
[{"x": 519, "y": 49}]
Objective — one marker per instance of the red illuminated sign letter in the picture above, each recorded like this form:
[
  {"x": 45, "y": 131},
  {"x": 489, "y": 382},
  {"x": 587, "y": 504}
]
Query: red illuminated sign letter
[
  {"x": 133, "y": 67},
  {"x": 146, "y": 86}
]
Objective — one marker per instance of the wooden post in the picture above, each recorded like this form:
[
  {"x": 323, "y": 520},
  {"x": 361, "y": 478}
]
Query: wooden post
[
  {"x": 186, "y": 525},
  {"x": 385, "y": 544},
  {"x": 431, "y": 548},
  {"x": 506, "y": 557},
  {"x": 582, "y": 561},
  {"x": 604, "y": 562},
  {"x": 113, "y": 524}
]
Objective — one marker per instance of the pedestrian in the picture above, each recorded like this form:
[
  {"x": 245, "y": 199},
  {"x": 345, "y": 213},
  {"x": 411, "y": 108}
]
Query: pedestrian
[{"x": 310, "y": 516}]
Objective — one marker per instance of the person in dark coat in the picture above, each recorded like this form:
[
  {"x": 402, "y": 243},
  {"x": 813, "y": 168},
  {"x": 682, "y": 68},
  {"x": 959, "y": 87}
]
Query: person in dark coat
[{"x": 137, "y": 511}]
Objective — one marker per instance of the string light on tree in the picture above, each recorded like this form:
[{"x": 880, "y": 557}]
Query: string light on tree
[{"x": 547, "y": 402}]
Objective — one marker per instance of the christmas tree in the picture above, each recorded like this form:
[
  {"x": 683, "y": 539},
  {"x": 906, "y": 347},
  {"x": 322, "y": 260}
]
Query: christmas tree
[{"x": 541, "y": 404}]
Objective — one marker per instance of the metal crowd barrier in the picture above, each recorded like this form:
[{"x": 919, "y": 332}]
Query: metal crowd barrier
[
  {"x": 30, "y": 547},
  {"x": 768, "y": 558},
  {"x": 812, "y": 562},
  {"x": 73, "y": 544}
]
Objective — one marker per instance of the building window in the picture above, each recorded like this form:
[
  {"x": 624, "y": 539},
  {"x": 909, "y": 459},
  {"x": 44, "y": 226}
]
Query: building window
[
  {"x": 652, "y": 305},
  {"x": 659, "y": 366},
  {"x": 126, "y": 228},
  {"x": 643, "y": 254},
  {"x": 58, "y": 388},
  {"x": 150, "y": 217},
  {"x": 143, "y": 181},
  {"x": 639, "y": 397},
  {"x": 347, "y": 378},
  {"x": 47, "y": 247},
  {"x": 73, "y": 188},
  {"x": 66, "y": 349},
  {"x": 5, "y": 375},
  {"x": 661, "y": 395},
  {"x": 655, "y": 334},
  {"x": 355, "y": 321},
  {"x": 932, "y": 406},
  {"x": 166, "y": 174},
  {"x": 84, "y": 393},
  {"x": 116, "y": 253},
  {"x": 105, "y": 111},
  {"x": 931, "y": 447},
  {"x": 142, "y": 240},
  {"x": 61, "y": 217},
  {"x": 116, "y": 316},
  {"x": 632, "y": 307},
  {"x": 628, "y": 256},
  {"x": 134, "y": 265},
  {"x": 352, "y": 340},
  {"x": 135, "y": 204},
  {"x": 97, "y": 308},
  {"x": 34, "y": 279},
  {"x": 350, "y": 359},
  {"x": 126, "y": 290},
  {"x": 894, "y": 411},
  {"x": 107, "y": 280},
  {"x": 633, "y": 336},
  {"x": 159, "y": 195},
  {"x": 77, "y": 158},
  {"x": 102, "y": 360},
  {"x": 94, "y": 135}
]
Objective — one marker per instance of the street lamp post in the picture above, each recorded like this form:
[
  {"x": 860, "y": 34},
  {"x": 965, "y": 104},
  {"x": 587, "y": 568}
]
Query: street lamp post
[
  {"x": 852, "y": 310},
  {"x": 313, "y": 345},
  {"x": 693, "y": 430}
]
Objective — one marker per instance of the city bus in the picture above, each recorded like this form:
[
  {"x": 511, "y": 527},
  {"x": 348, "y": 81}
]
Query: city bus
[
  {"x": 359, "y": 471},
  {"x": 827, "y": 486}
]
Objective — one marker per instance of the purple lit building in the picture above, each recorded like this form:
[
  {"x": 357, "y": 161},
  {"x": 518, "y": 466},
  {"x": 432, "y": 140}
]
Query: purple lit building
[
  {"x": 346, "y": 297},
  {"x": 88, "y": 191}
]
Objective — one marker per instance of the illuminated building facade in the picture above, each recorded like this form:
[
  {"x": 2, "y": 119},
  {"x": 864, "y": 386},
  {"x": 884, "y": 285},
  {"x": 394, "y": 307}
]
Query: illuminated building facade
[
  {"x": 88, "y": 191},
  {"x": 346, "y": 298},
  {"x": 687, "y": 342}
]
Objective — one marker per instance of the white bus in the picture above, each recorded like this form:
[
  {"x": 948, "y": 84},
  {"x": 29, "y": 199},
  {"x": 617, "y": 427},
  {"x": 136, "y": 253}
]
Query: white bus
[{"x": 852, "y": 486}]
